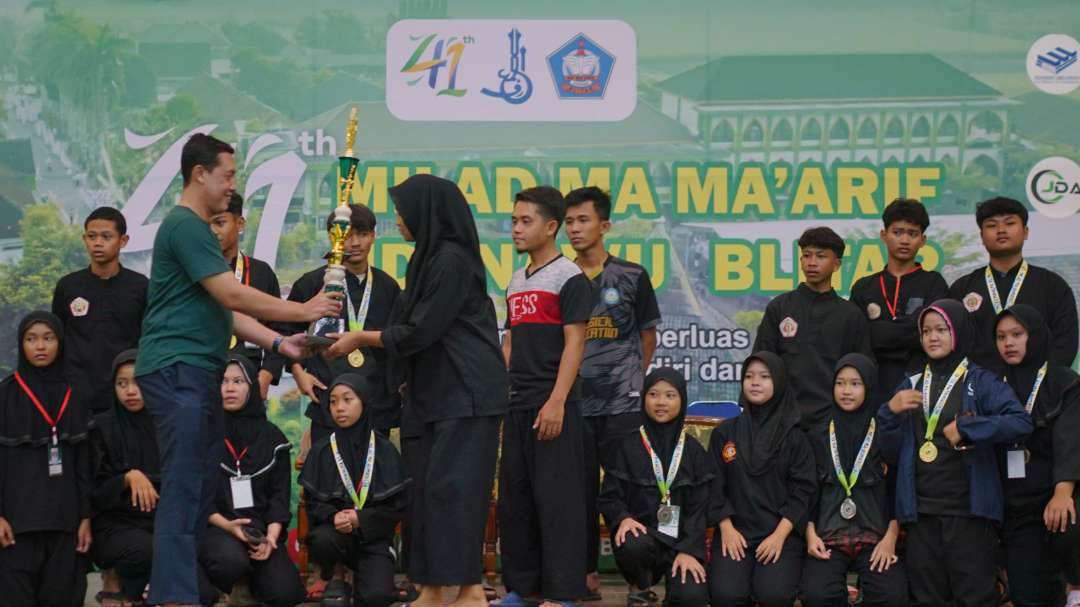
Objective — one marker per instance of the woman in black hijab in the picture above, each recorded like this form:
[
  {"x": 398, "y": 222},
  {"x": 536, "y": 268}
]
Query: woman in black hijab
[
  {"x": 647, "y": 549},
  {"x": 1040, "y": 534},
  {"x": 127, "y": 480},
  {"x": 354, "y": 511},
  {"x": 247, "y": 534},
  {"x": 45, "y": 475},
  {"x": 455, "y": 386},
  {"x": 762, "y": 493},
  {"x": 851, "y": 526},
  {"x": 940, "y": 435}
]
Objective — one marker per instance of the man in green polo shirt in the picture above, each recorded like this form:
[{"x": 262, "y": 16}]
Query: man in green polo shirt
[{"x": 193, "y": 303}]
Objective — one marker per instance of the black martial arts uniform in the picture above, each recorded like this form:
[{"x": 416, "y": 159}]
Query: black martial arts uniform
[
  {"x": 257, "y": 274},
  {"x": 811, "y": 331},
  {"x": 1042, "y": 289},
  {"x": 446, "y": 340},
  {"x": 42, "y": 568},
  {"x": 123, "y": 533},
  {"x": 385, "y": 403},
  {"x": 102, "y": 317},
  {"x": 257, "y": 449},
  {"x": 630, "y": 490},
  {"x": 1036, "y": 559},
  {"x": 892, "y": 304},
  {"x": 851, "y": 542},
  {"x": 541, "y": 482},
  {"x": 951, "y": 506},
  {"x": 765, "y": 474},
  {"x": 367, "y": 550}
]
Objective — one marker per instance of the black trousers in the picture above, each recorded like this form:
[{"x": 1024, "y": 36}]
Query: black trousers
[
  {"x": 410, "y": 456},
  {"x": 951, "y": 560},
  {"x": 42, "y": 569},
  {"x": 1039, "y": 562},
  {"x": 601, "y": 433},
  {"x": 644, "y": 561},
  {"x": 275, "y": 581},
  {"x": 824, "y": 583},
  {"x": 127, "y": 547},
  {"x": 372, "y": 564},
  {"x": 542, "y": 508},
  {"x": 747, "y": 582},
  {"x": 451, "y": 495}
]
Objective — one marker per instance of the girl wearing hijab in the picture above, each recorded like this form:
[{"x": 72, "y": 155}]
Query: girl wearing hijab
[
  {"x": 940, "y": 431},
  {"x": 355, "y": 489},
  {"x": 851, "y": 526},
  {"x": 127, "y": 481},
  {"x": 45, "y": 475},
  {"x": 455, "y": 386},
  {"x": 655, "y": 496},
  {"x": 1040, "y": 534},
  {"x": 247, "y": 534},
  {"x": 762, "y": 492}
]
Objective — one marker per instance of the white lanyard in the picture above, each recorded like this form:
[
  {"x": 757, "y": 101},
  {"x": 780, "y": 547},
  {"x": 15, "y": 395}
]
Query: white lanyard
[
  {"x": 848, "y": 481},
  {"x": 369, "y": 470},
  {"x": 1029, "y": 406},
  {"x": 664, "y": 483},
  {"x": 356, "y": 321},
  {"x": 933, "y": 417},
  {"x": 995, "y": 297}
]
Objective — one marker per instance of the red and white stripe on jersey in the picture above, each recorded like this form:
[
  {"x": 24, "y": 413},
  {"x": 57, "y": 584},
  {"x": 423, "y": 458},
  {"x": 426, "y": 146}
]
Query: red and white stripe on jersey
[{"x": 535, "y": 299}]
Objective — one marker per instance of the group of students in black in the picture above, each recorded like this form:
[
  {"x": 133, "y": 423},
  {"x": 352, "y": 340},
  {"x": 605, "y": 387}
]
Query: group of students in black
[{"x": 918, "y": 435}]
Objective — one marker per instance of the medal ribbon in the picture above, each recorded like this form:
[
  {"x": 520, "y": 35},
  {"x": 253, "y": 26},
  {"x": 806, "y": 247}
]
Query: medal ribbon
[
  {"x": 243, "y": 269},
  {"x": 346, "y": 479},
  {"x": 45, "y": 414},
  {"x": 1029, "y": 406},
  {"x": 356, "y": 321},
  {"x": 658, "y": 467},
  {"x": 848, "y": 481},
  {"x": 991, "y": 287},
  {"x": 232, "y": 452},
  {"x": 933, "y": 417}
]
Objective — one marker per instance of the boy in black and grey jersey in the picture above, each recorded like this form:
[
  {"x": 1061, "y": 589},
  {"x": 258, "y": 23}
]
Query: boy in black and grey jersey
[{"x": 619, "y": 343}]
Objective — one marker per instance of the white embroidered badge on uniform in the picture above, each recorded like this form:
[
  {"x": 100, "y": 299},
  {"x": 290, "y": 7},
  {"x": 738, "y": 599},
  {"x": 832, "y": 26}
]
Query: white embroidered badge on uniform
[
  {"x": 788, "y": 327},
  {"x": 972, "y": 301},
  {"x": 873, "y": 311},
  {"x": 79, "y": 307}
]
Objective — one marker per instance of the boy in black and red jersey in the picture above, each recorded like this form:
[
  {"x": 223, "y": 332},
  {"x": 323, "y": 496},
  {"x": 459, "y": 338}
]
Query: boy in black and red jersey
[{"x": 541, "y": 483}]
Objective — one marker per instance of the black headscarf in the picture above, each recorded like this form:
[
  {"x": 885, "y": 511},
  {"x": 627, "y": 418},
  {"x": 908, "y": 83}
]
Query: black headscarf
[
  {"x": 320, "y": 475},
  {"x": 764, "y": 427},
  {"x": 851, "y": 426},
  {"x": 1021, "y": 377},
  {"x": 663, "y": 437},
  {"x": 20, "y": 421},
  {"x": 437, "y": 215},
  {"x": 248, "y": 428},
  {"x": 129, "y": 435}
]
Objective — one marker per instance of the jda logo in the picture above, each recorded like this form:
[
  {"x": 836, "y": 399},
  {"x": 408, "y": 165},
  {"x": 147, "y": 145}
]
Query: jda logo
[
  {"x": 1053, "y": 187},
  {"x": 581, "y": 68},
  {"x": 1052, "y": 65}
]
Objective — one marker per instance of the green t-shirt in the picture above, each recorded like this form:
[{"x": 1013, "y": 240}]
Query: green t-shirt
[{"x": 183, "y": 323}]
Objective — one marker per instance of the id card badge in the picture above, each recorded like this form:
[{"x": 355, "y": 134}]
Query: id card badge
[
  {"x": 56, "y": 464},
  {"x": 1014, "y": 463},
  {"x": 241, "y": 492},
  {"x": 667, "y": 518}
]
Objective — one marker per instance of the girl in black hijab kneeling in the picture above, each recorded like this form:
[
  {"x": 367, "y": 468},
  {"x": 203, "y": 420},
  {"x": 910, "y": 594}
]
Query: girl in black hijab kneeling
[
  {"x": 45, "y": 476},
  {"x": 355, "y": 490},
  {"x": 657, "y": 514},
  {"x": 127, "y": 482},
  {"x": 247, "y": 534},
  {"x": 762, "y": 492}
]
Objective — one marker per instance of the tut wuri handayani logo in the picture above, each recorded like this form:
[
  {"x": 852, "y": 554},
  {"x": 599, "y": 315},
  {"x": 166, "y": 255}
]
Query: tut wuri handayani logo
[{"x": 581, "y": 68}]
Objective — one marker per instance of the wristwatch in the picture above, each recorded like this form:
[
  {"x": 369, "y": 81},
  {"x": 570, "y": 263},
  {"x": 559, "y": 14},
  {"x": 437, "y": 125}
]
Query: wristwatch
[{"x": 277, "y": 344}]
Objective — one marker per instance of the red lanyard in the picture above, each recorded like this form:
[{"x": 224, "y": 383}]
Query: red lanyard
[
  {"x": 896, "y": 292},
  {"x": 37, "y": 403},
  {"x": 232, "y": 452}
]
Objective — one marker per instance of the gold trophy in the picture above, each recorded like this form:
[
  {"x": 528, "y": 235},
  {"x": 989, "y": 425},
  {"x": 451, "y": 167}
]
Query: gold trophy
[{"x": 334, "y": 277}]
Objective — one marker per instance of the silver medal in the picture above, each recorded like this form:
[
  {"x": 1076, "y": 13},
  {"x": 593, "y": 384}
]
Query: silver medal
[{"x": 848, "y": 509}]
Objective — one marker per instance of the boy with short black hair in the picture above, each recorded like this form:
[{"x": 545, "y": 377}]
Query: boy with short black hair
[
  {"x": 1009, "y": 279},
  {"x": 893, "y": 298},
  {"x": 812, "y": 327},
  {"x": 228, "y": 227},
  {"x": 101, "y": 307}
]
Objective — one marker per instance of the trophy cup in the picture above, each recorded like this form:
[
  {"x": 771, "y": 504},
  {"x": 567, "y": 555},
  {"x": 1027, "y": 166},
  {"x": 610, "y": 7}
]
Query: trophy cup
[{"x": 334, "y": 277}]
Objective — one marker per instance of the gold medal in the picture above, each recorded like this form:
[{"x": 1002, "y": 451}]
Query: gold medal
[
  {"x": 232, "y": 342},
  {"x": 928, "y": 452},
  {"x": 356, "y": 358}
]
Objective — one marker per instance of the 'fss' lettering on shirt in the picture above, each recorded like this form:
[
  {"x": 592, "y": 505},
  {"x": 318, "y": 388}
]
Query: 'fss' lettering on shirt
[{"x": 534, "y": 307}]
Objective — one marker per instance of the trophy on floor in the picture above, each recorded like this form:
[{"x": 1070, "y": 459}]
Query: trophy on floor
[{"x": 334, "y": 277}]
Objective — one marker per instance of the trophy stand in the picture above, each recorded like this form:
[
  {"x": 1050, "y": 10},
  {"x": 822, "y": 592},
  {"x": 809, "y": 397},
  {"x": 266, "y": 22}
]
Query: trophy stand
[{"x": 334, "y": 277}]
